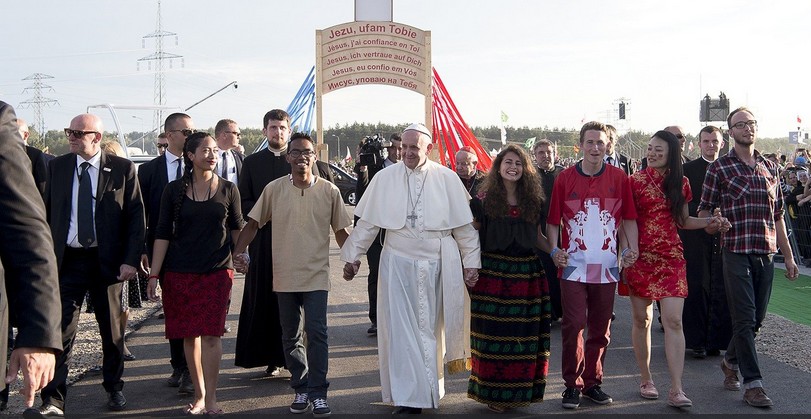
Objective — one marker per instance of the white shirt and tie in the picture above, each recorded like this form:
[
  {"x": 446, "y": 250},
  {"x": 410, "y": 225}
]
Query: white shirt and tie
[
  {"x": 93, "y": 173},
  {"x": 227, "y": 166},
  {"x": 172, "y": 164},
  {"x": 613, "y": 160}
]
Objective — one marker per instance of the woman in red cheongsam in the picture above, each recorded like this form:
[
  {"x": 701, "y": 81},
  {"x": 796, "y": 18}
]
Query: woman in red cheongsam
[{"x": 661, "y": 193}]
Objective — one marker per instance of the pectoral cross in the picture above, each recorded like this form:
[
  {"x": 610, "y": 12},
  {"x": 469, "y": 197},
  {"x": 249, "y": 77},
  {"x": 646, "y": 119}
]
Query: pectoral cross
[{"x": 413, "y": 218}]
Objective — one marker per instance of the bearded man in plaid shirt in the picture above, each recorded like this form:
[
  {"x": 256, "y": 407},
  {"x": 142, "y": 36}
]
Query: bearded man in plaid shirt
[{"x": 746, "y": 188}]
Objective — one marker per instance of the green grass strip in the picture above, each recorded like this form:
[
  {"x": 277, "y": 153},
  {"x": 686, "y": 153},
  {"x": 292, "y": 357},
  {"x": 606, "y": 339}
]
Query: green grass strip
[{"x": 791, "y": 299}]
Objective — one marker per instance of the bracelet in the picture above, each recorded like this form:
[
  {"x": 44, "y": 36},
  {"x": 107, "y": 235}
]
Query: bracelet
[
  {"x": 154, "y": 276},
  {"x": 709, "y": 220},
  {"x": 625, "y": 251},
  {"x": 554, "y": 251}
]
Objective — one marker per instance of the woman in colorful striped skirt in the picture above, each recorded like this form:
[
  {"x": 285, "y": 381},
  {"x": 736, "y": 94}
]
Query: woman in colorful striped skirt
[{"x": 510, "y": 306}]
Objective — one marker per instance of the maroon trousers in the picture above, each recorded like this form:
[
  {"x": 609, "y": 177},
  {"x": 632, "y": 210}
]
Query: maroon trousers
[{"x": 585, "y": 306}]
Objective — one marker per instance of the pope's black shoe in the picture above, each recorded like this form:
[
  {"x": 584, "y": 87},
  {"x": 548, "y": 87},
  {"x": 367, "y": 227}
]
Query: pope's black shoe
[
  {"x": 47, "y": 410},
  {"x": 116, "y": 400},
  {"x": 405, "y": 410}
]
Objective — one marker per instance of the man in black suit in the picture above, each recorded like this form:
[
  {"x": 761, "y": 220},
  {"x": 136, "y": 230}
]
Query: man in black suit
[
  {"x": 28, "y": 277},
  {"x": 39, "y": 169},
  {"x": 39, "y": 161},
  {"x": 707, "y": 323},
  {"x": 97, "y": 224},
  {"x": 153, "y": 176},
  {"x": 365, "y": 174},
  {"x": 259, "y": 336},
  {"x": 229, "y": 166},
  {"x": 613, "y": 156},
  {"x": 545, "y": 153},
  {"x": 679, "y": 133},
  {"x": 227, "y": 134}
]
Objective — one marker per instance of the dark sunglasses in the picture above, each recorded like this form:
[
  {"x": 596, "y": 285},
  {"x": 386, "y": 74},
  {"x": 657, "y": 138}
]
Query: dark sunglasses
[
  {"x": 680, "y": 136},
  {"x": 159, "y": 145},
  {"x": 78, "y": 133},
  {"x": 185, "y": 132}
]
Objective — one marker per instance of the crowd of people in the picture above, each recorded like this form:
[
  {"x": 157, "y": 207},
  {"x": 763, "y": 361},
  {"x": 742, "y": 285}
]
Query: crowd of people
[
  {"x": 468, "y": 269},
  {"x": 796, "y": 186}
]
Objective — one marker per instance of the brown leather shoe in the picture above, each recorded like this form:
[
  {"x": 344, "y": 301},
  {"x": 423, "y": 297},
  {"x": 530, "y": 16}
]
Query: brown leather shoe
[
  {"x": 731, "y": 382},
  {"x": 757, "y": 397}
]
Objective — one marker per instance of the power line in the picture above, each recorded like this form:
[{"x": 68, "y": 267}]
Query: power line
[
  {"x": 38, "y": 101},
  {"x": 160, "y": 57}
]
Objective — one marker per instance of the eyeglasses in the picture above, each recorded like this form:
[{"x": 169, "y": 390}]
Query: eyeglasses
[
  {"x": 161, "y": 145},
  {"x": 238, "y": 134},
  {"x": 185, "y": 132},
  {"x": 680, "y": 136},
  {"x": 78, "y": 133},
  {"x": 741, "y": 125},
  {"x": 298, "y": 153}
]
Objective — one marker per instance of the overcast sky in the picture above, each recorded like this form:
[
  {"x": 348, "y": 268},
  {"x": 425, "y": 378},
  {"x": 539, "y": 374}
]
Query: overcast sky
[{"x": 553, "y": 63}]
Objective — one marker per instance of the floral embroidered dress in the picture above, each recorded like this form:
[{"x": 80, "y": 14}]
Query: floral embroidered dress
[{"x": 660, "y": 270}]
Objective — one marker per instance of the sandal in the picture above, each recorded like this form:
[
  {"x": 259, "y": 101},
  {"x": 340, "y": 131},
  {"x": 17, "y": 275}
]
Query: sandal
[
  {"x": 191, "y": 410},
  {"x": 217, "y": 412},
  {"x": 648, "y": 391}
]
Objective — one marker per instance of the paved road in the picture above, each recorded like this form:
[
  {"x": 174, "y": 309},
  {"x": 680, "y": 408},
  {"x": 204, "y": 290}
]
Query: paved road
[{"x": 354, "y": 380}]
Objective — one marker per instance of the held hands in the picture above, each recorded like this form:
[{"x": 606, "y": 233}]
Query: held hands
[
  {"x": 241, "y": 262},
  {"x": 560, "y": 258},
  {"x": 471, "y": 276},
  {"x": 717, "y": 224},
  {"x": 629, "y": 257},
  {"x": 351, "y": 269}
]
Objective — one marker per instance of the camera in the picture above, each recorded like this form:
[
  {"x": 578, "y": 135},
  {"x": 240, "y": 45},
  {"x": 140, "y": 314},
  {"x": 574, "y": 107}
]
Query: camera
[{"x": 373, "y": 151}]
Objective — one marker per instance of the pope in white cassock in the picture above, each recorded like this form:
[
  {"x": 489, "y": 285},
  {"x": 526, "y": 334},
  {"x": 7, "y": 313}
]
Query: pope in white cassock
[{"x": 431, "y": 251}]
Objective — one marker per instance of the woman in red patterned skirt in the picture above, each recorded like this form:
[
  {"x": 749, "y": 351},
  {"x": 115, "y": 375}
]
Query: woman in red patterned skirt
[
  {"x": 510, "y": 310},
  {"x": 661, "y": 193},
  {"x": 200, "y": 217}
]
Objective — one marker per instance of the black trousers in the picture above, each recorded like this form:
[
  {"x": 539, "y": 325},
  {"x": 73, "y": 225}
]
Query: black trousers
[
  {"x": 177, "y": 355},
  {"x": 373, "y": 259},
  {"x": 80, "y": 273},
  {"x": 554, "y": 283}
]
